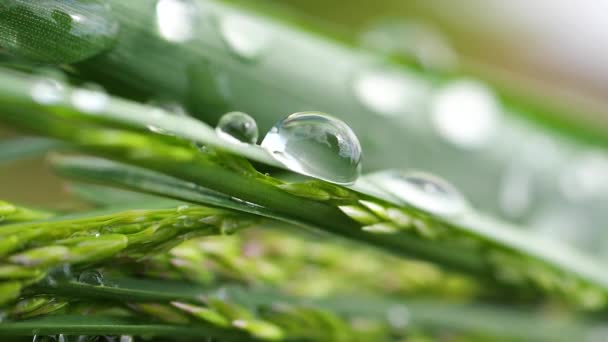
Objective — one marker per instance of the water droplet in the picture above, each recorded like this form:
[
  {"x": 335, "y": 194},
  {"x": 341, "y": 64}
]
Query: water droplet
[
  {"x": 237, "y": 126},
  {"x": 91, "y": 98},
  {"x": 381, "y": 228},
  {"x": 465, "y": 113},
  {"x": 159, "y": 130},
  {"x": 176, "y": 19},
  {"x": 240, "y": 323},
  {"x": 516, "y": 191},
  {"x": 91, "y": 277},
  {"x": 391, "y": 92},
  {"x": 423, "y": 191},
  {"x": 317, "y": 145},
  {"x": 59, "y": 274},
  {"x": 398, "y": 316},
  {"x": 245, "y": 36},
  {"x": 585, "y": 177},
  {"x": 412, "y": 39},
  {"x": 170, "y": 107},
  {"x": 82, "y": 29},
  {"x": 47, "y": 91}
]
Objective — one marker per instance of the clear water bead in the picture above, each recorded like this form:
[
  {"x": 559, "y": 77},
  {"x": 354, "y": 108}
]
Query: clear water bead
[
  {"x": 91, "y": 277},
  {"x": 245, "y": 36},
  {"x": 390, "y": 92},
  {"x": 237, "y": 126},
  {"x": 317, "y": 145},
  {"x": 423, "y": 191},
  {"x": 466, "y": 113},
  {"x": 176, "y": 19},
  {"x": 47, "y": 91},
  {"x": 91, "y": 98}
]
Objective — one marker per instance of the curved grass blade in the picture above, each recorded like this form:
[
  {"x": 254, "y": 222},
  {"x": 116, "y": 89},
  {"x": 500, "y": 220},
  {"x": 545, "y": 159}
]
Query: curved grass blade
[
  {"x": 468, "y": 243},
  {"x": 497, "y": 322},
  {"x": 108, "y": 325}
]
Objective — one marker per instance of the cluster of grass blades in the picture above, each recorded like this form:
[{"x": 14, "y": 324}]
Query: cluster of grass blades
[{"x": 193, "y": 235}]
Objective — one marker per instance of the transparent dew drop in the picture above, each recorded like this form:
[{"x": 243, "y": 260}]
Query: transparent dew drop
[
  {"x": 47, "y": 91},
  {"x": 423, "y": 191},
  {"x": 91, "y": 277},
  {"x": 317, "y": 145},
  {"x": 398, "y": 316},
  {"x": 411, "y": 39},
  {"x": 171, "y": 107},
  {"x": 245, "y": 36},
  {"x": 176, "y": 19},
  {"x": 82, "y": 28},
  {"x": 237, "y": 126},
  {"x": 91, "y": 98},
  {"x": 390, "y": 92},
  {"x": 465, "y": 113}
]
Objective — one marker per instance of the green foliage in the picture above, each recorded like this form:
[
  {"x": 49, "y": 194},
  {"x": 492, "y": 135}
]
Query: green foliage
[{"x": 137, "y": 264}]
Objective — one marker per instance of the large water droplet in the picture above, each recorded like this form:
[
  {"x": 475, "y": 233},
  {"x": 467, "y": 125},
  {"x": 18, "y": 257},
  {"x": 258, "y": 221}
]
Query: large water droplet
[
  {"x": 246, "y": 37},
  {"x": 317, "y": 145},
  {"x": 47, "y": 91},
  {"x": 465, "y": 113},
  {"x": 389, "y": 92},
  {"x": 91, "y": 277},
  {"x": 91, "y": 98},
  {"x": 237, "y": 126},
  {"x": 55, "y": 31},
  {"x": 423, "y": 191},
  {"x": 176, "y": 19}
]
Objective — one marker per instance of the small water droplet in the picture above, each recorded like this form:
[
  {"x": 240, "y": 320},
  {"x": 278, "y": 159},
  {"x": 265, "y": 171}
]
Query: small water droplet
[
  {"x": 91, "y": 98},
  {"x": 381, "y": 228},
  {"x": 82, "y": 29},
  {"x": 465, "y": 113},
  {"x": 183, "y": 208},
  {"x": 237, "y": 126},
  {"x": 170, "y": 107},
  {"x": 391, "y": 92},
  {"x": 413, "y": 39},
  {"x": 91, "y": 277},
  {"x": 240, "y": 323},
  {"x": 59, "y": 274},
  {"x": 423, "y": 191},
  {"x": 176, "y": 19},
  {"x": 398, "y": 316},
  {"x": 47, "y": 91},
  {"x": 246, "y": 37},
  {"x": 585, "y": 177},
  {"x": 159, "y": 130},
  {"x": 317, "y": 145}
]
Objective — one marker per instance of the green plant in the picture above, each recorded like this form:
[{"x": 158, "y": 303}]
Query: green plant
[{"x": 305, "y": 272}]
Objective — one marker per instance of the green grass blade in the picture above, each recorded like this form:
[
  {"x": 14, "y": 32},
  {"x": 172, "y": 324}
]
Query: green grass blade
[
  {"x": 107, "y": 325},
  {"x": 497, "y": 322}
]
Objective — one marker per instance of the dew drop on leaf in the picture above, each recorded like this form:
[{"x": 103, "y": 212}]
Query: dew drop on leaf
[
  {"x": 55, "y": 31},
  {"x": 237, "y": 126},
  {"x": 465, "y": 113},
  {"x": 176, "y": 19},
  {"x": 317, "y": 145},
  {"x": 245, "y": 36},
  {"x": 91, "y": 98},
  {"x": 389, "y": 92},
  {"x": 423, "y": 191},
  {"x": 91, "y": 277},
  {"x": 47, "y": 91}
]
